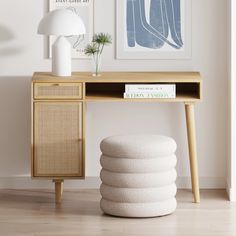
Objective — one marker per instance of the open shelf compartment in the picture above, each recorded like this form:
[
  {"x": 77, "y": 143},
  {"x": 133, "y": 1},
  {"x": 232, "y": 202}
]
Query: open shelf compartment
[{"x": 187, "y": 91}]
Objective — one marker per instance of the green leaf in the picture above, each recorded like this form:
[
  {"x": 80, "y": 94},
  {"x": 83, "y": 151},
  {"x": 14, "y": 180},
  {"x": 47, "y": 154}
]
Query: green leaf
[
  {"x": 91, "y": 49},
  {"x": 102, "y": 38}
]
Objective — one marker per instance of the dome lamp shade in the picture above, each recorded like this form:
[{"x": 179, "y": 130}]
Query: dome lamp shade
[{"x": 61, "y": 23}]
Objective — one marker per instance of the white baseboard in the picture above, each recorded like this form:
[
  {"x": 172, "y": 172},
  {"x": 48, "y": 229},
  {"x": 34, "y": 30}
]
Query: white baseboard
[
  {"x": 231, "y": 193},
  {"x": 204, "y": 182},
  {"x": 25, "y": 182}
]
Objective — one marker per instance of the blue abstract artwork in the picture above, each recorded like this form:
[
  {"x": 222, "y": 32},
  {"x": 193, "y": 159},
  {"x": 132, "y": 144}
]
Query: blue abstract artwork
[{"x": 156, "y": 27}]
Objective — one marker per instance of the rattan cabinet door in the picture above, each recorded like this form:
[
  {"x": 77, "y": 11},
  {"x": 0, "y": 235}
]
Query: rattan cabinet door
[{"x": 58, "y": 139}]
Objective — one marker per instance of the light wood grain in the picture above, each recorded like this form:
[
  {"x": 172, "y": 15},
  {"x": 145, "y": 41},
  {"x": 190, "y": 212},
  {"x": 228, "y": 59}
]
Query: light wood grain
[
  {"x": 34, "y": 213},
  {"x": 125, "y": 77},
  {"x": 119, "y": 98},
  {"x": 32, "y": 130},
  {"x": 191, "y": 131},
  {"x": 84, "y": 139},
  {"x": 109, "y": 87},
  {"x": 58, "y": 190}
]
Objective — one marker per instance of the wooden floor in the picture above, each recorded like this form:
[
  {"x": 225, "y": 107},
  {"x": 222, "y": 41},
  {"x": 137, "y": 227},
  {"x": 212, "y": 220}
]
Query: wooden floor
[{"x": 34, "y": 213}]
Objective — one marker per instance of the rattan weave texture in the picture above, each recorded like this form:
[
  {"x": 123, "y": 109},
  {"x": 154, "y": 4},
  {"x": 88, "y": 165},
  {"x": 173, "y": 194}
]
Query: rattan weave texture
[
  {"x": 58, "y": 139},
  {"x": 58, "y": 90}
]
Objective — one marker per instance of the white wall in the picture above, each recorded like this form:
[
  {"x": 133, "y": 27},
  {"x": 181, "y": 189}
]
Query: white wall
[
  {"x": 23, "y": 52},
  {"x": 231, "y": 184}
]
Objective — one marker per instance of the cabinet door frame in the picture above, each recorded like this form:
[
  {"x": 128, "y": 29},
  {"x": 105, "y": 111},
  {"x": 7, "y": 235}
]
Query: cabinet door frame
[{"x": 81, "y": 131}]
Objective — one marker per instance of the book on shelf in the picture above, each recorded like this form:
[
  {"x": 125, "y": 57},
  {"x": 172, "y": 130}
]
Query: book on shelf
[
  {"x": 150, "y": 91},
  {"x": 147, "y": 88},
  {"x": 150, "y": 95}
]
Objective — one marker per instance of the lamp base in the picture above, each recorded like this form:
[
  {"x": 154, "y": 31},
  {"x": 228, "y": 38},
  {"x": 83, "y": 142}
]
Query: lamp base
[{"x": 61, "y": 57}]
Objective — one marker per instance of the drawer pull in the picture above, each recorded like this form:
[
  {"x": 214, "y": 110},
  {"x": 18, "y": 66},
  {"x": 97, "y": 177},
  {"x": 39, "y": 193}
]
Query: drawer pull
[{"x": 55, "y": 84}]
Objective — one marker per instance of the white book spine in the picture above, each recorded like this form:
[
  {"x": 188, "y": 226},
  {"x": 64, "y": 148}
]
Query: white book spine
[
  {"x": 150, "y": 95},
  {"x": 146, "y": 88}
]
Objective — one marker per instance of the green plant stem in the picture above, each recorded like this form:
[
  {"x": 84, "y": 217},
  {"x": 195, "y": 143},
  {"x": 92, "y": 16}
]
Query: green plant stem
[
  {"x": 97, "y": 64},
  {"x": 96, "y": 61},
  {"x": 102, "y": 48}
]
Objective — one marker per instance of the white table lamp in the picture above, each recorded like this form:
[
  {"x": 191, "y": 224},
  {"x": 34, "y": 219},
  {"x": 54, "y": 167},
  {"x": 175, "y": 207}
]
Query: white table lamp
[{"x": 61, "y": 23}]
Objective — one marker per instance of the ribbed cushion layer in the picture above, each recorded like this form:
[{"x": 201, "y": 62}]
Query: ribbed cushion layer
[
  {"x": 160, "y": 208},
  {"x": 138, "y": 146},
  {"x": 138, "y": 195},
  {"x": 147, "y": 180},
  {"x": 126, "y": 165}
]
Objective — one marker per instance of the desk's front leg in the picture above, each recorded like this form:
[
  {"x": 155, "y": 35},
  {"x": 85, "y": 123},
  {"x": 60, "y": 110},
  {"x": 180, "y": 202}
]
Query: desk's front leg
[
  {"x": 58, "y": 190},
  {"x": 190, "y": 120}
]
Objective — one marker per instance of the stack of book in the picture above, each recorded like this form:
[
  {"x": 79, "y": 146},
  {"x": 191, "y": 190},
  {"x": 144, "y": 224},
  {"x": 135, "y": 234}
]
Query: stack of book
[{"x": 150, "y": 91}]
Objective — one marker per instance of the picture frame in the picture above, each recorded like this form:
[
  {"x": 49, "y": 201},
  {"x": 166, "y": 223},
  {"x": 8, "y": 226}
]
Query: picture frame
[
  {"x": 153, "y": 29},
  {"x": 85, "y": 9}
]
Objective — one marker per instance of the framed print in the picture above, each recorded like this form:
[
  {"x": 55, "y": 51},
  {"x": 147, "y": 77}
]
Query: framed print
[
  {"x": 84, "y": 8},
  {"x": 153, "y": 29}
]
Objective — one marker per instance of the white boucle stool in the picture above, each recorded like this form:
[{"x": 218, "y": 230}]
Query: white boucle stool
[{"x": 138, "y": 175}]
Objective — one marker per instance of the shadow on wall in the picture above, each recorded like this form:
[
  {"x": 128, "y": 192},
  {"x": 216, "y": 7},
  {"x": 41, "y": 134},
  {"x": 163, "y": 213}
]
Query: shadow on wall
[
  {"x": 15, "y": 125},
  {"x": 7, "y": 36},
  {"x": 46, "y": 53}
]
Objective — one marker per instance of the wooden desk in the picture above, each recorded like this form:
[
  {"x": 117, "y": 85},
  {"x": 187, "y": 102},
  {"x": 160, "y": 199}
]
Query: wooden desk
[{"x": 59, "y": 115}]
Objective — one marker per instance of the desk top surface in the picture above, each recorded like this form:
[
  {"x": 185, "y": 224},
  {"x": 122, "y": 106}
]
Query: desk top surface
[{"x": 114, "y": 77}]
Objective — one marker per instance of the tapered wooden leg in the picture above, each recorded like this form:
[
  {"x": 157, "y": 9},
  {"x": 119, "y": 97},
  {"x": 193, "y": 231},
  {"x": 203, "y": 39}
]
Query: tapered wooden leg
[
  {"x": 58, "y": 190},
  {"x": 190, "y": 120}
]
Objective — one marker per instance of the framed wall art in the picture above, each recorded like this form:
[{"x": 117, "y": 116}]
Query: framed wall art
[
  {"x": 153, "y": 29},
  {"x": 85, "y": 10}
]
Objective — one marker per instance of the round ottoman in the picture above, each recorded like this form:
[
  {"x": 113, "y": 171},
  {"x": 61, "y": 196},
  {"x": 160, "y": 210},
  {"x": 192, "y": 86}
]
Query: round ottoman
[{"x": 138, "y": 175}]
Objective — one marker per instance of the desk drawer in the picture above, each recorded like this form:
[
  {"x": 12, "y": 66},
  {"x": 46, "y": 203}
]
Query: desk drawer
[{"x": 58, "y": 91}]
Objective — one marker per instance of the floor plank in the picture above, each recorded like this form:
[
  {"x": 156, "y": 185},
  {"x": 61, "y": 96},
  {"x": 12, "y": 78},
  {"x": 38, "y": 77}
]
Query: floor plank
[{"x": 33, "y": 212}]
